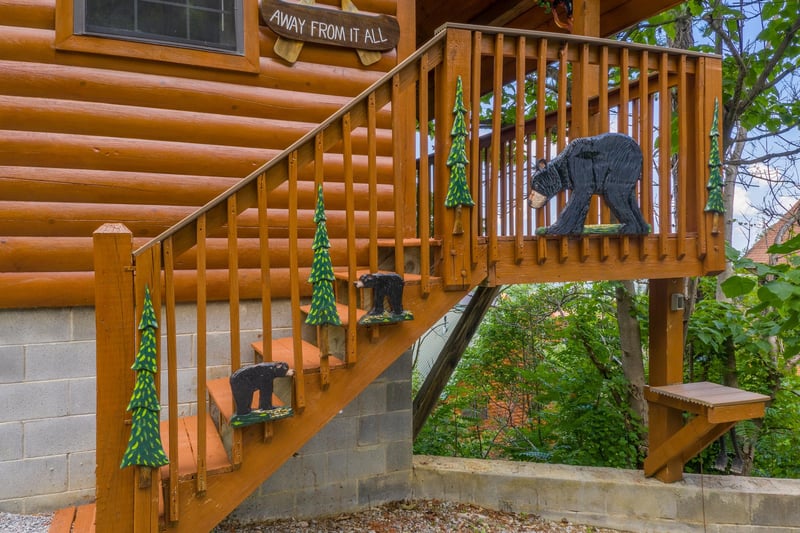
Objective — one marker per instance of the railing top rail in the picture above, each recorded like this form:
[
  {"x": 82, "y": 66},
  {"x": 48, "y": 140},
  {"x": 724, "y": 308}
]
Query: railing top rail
[
  {"x": 387, "y": 78},
  {"x": 577, "y": 39}
]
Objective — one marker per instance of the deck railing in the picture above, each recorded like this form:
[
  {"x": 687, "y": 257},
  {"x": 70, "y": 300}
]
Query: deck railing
[{"x": 245, "y": 244}]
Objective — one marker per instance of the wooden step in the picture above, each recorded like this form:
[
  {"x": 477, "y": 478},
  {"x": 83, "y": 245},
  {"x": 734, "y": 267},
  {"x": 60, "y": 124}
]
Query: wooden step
[
  {"x": 283, "y": 350},
  {"x": 410, "y": 279},
  {"x": 343, "y": 310},
  {"x": 219, "y": 392},
  {"x": 78, "y": 519},
  {"x": 408, "y": 243},
  {"x": 716, "y": 407},
  {"x": 217, "y": 458},
  {"x": 715, "y": 402}
]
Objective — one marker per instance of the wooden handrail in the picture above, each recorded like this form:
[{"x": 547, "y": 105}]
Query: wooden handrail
[{"x": 499, "y": 231}]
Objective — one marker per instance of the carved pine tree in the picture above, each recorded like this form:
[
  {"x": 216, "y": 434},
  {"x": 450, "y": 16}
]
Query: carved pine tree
[
  {"x": 715, "y": 202},
  {"x": 144, "y": 445},
  {"x": 458, "y": 189},
  {"x": 323, "y": 313}
]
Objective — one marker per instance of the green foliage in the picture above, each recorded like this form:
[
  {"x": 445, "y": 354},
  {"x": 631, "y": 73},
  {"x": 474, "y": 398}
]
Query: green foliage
[{"x": 528, "y": 387}]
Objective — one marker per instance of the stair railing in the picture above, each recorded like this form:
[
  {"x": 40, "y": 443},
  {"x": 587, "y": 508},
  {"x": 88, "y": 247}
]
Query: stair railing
[{"x": 245, "y": 244}]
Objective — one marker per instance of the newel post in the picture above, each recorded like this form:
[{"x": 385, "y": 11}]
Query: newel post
[
  {"x": 456, "y": 260},
  {"x": 115, "y": 347}
]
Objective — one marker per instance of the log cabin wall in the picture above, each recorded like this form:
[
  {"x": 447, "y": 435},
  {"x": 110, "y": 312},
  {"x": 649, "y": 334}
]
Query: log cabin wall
[{"x": 88, "y": 138}]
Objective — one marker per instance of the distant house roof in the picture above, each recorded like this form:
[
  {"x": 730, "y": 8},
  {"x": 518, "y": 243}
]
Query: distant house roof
[{"x": 788, "y": 226}]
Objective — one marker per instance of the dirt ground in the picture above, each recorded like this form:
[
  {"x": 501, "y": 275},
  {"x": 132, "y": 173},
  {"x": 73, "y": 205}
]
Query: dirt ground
[{"x": 430, "y": 516}]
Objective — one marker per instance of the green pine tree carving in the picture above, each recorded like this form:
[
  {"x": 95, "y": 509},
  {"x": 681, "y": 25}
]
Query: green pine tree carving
[
  {"x": 458, "y": 189},
  {"x": 323, "y": 303},
  {"x": 144, "y": 445},
  {"x": 715, "y": 202}
]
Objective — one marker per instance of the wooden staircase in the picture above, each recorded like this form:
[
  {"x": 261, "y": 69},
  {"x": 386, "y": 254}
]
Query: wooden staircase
[{"x": 215, "y": 467}]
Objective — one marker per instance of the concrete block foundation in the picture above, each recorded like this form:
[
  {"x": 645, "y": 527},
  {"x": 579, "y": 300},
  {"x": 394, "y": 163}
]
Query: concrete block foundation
[{"x": 619, "y": 499}]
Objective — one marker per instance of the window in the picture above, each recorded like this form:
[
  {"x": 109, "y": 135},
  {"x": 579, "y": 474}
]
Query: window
[
  {"x": 204, "y": 24},
  {"x": 220, "y": 34}
]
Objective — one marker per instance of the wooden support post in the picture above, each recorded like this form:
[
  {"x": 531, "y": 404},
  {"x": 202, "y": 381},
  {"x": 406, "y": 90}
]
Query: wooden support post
[
  {"x": 666, "y": 367},
  {"x": 457, "y": 262},
  {"x": 115, "y": 348}
]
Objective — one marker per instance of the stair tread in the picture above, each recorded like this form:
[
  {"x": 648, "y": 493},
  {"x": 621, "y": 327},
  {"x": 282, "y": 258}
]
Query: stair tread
[
  {"x": 708, "y": 394},
  {"x": 219, "y": 392},
  {"x": 410, "y": 279},
  {"x": 216, "y": 456},
  {"x": 342, "y": 309},
  {"x": 389, "y": 243},
  {"x": 283, "y": 350}
]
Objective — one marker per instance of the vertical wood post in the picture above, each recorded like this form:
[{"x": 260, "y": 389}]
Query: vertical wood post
[
  {"x": 666, "y": 367},
  {"x": 115, "y": 349},
  {"x": 456, "y": 261}
]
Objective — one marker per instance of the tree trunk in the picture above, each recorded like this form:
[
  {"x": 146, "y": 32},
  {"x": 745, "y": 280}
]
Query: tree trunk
[{"x": 630, "y": 338}]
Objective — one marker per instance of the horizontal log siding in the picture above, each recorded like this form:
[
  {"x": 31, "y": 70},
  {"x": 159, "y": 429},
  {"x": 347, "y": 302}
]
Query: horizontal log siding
[{"x": 87, "y": 139}]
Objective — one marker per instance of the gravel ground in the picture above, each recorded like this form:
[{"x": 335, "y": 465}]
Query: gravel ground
[
  {"x": 416, "y": 517},
  {"x": 412, "y": 517},
  {"x": 24, "y": 523}
]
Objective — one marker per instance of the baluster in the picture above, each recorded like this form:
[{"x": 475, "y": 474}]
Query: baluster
[
  {"x": 519, "y": 145},
  {"x": 424, "y": 181},
  {"x": 266, "y": 281},
  {"x": 684, "y": 154},
  {"x": 664, "y": 156},
  {"x": 541, "y": 136},
  {"x": 494, "y": 176},
  {"x": 372, "y": 176},
  {"x": 201, "y": 353},
  {"x": 561, "y": 136},
  {"x": 172, "y": 379},
  {"x": 475, "y": 158},
  {"x": 622, "y": 127},
  {"x": 294, "y": 283},
  {"x": 350, "y": 221},
  {"x": 646, "y": 142}
]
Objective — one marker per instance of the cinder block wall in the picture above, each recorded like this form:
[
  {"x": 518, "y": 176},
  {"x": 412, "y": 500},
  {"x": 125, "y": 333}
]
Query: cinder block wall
[
  {"x": 48, "y": 403},
  {"x": 360, "y": 459}
]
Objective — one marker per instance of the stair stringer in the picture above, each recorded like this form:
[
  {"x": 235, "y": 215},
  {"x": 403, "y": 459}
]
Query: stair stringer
[{"x": 224, "y": 492}]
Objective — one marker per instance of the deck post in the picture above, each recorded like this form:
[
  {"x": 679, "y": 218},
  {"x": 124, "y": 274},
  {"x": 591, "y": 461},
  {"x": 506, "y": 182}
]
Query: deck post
[
  {"x": 456, "y": 260},
  {"x": 115, "y": 348},
  {"x": 666, "y": 367}
]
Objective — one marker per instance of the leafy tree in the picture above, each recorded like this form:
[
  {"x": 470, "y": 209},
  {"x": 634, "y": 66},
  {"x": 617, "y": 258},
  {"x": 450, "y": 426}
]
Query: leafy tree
[
  {"x": 528, "y": 387},
  {"x": 760, "y": 130}
]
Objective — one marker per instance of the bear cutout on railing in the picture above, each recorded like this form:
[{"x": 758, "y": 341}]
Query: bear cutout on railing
[
  {"x": 385, "y": 286},
  {"x": 609, "y": 165},
  {"x": 259, "y": 377}
]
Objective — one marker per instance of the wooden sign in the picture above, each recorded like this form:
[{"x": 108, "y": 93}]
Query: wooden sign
[{"x": 324, "y": 25}]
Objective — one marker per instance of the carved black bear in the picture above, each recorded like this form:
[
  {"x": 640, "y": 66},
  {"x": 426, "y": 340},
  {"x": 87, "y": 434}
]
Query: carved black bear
[
  {"x": 385, "y": 285},
  {"x": 259, "y": 377},
  {"x": 610, "y": 165}
]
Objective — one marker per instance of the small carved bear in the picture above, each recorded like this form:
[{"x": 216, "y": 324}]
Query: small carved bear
[
  {"x": 259, "y": 377},
  {"x": 384, "y": 285},
  {"x": 610, "y": 165}
]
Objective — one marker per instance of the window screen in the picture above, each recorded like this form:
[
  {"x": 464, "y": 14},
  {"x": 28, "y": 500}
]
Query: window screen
[{"x": 204, "y": 24}]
